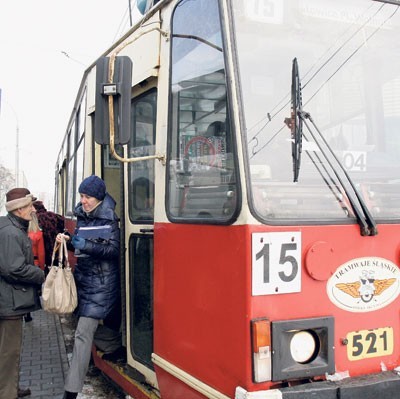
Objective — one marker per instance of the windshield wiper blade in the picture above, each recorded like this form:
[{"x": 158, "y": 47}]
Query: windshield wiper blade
[
  {"x": 365, "y": 220},
  {"x": 295, "y": 122},
  {"x": 298, "y": 121}
]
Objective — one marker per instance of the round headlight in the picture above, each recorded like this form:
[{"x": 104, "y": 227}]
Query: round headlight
[{"x": 303, "y": 347}]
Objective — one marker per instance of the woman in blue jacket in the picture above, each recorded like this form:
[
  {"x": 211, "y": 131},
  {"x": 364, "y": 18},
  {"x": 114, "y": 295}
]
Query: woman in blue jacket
[{"x": 96, "y": 273}]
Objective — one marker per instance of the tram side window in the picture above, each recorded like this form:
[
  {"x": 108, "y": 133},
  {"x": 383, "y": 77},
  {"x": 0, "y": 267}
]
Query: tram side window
[
  {"x": 71, "y": 170},
  {"x": 141, "y": 174},
  {"x": 202, "y": 179},
  {"x": 75, "y": 158},
  {"x": 81, "y": 115}
]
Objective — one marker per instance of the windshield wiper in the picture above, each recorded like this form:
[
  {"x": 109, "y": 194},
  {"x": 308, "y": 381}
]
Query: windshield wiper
[
  {"x": 295, "y": 123},
  {"x": 365, "y": 220}
]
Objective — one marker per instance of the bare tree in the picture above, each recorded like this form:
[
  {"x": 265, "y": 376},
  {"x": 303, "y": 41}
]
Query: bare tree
[{"x": 7, "y": 181}]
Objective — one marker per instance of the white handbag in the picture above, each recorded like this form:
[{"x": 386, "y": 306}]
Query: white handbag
[{"x": 59, "y": 294}]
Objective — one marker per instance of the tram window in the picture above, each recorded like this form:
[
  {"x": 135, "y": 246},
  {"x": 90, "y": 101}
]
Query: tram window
[
  {"x": 60, "y": 184},
  {"x": 141, "y": 250},
  {"x": 81, "y": 117},
  {"x": 141, "y": 174},
  {"x": 79, "y": 167},
  {"x": 202, "y": 179},
  {"x": 75, "y": 158},
  {"x": 71, "y": 170}
]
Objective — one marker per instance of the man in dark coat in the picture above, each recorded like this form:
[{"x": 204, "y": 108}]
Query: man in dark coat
[
  {"x": 51, "y": 224},
  {"x": 20, "y": 281},
  {"x": 96, "y": 273}
]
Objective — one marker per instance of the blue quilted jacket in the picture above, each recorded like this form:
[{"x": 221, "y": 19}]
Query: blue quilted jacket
[{"x": 97, "y": 273}]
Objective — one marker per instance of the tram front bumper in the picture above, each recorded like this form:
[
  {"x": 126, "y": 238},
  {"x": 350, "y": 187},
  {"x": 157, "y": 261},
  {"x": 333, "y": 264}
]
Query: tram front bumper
[{"x": 385, "y": 385}]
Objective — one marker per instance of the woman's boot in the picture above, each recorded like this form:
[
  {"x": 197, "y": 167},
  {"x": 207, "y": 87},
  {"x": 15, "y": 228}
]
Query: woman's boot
[{"x": 70, "y": 395}]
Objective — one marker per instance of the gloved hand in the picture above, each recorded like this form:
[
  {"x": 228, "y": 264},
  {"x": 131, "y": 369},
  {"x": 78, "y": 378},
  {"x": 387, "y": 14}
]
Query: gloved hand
[{"x": 78, "y": 242}]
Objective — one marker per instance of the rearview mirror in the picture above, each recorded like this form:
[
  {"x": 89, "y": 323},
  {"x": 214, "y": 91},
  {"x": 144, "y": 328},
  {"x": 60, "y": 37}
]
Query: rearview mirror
[{"x": 120, "y": 90}]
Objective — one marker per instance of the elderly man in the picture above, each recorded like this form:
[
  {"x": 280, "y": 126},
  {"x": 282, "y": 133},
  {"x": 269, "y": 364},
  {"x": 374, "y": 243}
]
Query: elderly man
[{"x": 20, "y": 281}]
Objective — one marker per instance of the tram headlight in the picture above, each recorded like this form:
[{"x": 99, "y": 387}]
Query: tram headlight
[{"x": 302, "y": 348}]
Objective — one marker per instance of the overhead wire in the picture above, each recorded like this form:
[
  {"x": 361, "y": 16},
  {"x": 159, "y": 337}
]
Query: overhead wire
[
  {"x": 122, "y": 27},
  {"x": 271, "y": 114},
  {"x": 322, "y": 66}
]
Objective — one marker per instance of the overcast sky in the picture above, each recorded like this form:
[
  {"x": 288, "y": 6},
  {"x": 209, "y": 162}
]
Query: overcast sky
[{"x": 45, "y": 47}]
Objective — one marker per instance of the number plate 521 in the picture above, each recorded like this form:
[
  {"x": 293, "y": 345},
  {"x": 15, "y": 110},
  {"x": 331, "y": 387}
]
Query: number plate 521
[{"x": 369, "y": 343}]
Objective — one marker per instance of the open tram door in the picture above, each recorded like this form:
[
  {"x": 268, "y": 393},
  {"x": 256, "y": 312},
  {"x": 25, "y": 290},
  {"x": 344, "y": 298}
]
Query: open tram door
[
  {"x": 139, "y": 219},
  {"x": 130, "y": 144}
]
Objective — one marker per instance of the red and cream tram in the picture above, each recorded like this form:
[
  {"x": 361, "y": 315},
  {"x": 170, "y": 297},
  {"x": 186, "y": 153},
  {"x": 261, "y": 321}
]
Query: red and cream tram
[{"x": 253, "y": 148}]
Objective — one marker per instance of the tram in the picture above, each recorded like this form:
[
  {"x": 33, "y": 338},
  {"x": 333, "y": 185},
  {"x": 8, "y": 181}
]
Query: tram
[{"x": 253, "y": 149}]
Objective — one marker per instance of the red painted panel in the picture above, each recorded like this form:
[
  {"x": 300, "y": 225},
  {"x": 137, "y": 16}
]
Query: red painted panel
[
  {"x": 172, "y": 388},
  {"x": 203, "y": 302}
]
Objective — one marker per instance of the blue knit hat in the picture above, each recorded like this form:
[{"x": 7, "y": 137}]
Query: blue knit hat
[{"x": 94, "y": 187}]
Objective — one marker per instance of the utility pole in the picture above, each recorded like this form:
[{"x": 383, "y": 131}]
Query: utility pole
[
  {"x": 16, "y": 147},
  {"x": 17, "y": 156},
  {"x": 16, "y": 142}
]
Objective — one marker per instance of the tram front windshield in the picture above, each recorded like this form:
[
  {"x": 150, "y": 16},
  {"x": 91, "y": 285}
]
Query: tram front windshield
[{"x": 347, "y": 92}]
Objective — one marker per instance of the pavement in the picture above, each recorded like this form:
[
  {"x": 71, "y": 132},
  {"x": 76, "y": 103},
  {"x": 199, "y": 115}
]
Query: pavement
[
  {"x": 44, "y": 360},
  {"x": 46, "y": 350}
]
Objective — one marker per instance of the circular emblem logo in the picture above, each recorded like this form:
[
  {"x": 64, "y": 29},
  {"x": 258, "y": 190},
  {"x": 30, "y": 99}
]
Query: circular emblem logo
[{"x": 364, "y": 284}]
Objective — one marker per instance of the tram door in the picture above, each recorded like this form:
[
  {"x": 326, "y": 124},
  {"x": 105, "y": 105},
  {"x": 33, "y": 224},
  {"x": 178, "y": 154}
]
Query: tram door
[
  {"x": 112, "y": 175},
  {"x": 139, "y": 231}
]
